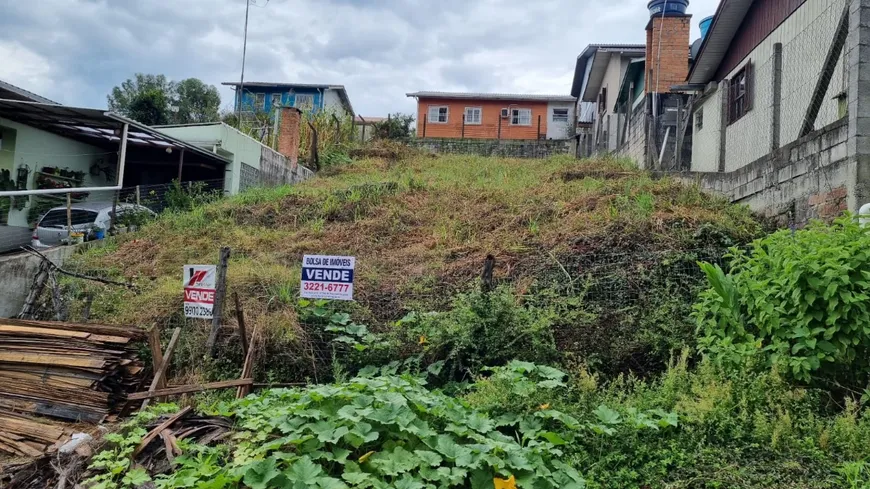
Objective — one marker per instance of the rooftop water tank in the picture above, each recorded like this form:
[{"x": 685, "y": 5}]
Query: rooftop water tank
[
  {"x": 705, "y": 26},
  {"x": 667, "y": 7}
]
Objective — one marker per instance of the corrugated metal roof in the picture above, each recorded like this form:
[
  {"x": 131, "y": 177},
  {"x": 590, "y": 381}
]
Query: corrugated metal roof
[
  {"x": 94, "y": 126},
  {"x": 10, "y": 91},
  {"x": 494, "y": 96},
  {"x": 726, "y": 22}
]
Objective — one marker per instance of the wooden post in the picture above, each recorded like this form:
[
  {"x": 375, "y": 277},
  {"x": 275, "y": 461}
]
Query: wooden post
[
  {"x": 499, "y": 127},
  {"x": 463, "y": 127},
  {"x": 425, "y": 118},
  {"x": 362, "y": 137},
  {"x": 35, "y": 290},
  {"x": 539, "y": 127},
  {"x": 180, "y": 164},
  {"x": 248, "y": 366},
  {"x": 69, "y": 214},
  {"x": 486, "y": 277},
  {"x": 164, "y": 365},
  {"x": 113, "y": 217},
  {"x": 220, "y": 292},
  {"x": 138, "y": 196},
  {"x": 240, "y": 317},
  {"x": 313, "y": 156},
  {"x": 156, "y": 352}
]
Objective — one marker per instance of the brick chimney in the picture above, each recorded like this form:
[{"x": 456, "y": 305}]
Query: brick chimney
[
  {"x": 667, "y": 51},
  {"x": 289, "y": 119}
]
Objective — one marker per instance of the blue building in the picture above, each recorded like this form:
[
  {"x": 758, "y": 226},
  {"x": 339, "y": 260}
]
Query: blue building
[{"x": 264, "y": 97}]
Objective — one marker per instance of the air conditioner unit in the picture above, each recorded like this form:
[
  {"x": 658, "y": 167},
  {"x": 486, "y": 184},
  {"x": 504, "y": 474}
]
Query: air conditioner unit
[{"x": 505, "y": 113}]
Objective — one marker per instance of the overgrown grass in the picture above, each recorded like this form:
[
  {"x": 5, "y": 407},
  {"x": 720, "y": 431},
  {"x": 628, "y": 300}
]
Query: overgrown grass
[{"x": 421, "y": 229}]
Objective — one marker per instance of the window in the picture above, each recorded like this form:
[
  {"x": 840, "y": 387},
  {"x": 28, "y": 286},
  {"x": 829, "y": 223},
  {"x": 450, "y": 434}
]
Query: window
[
  {"x": 473, "y": 115},
  {"x": 57, "y": 218},
  {"x": 261, "y": 101},
  {"x": 438, "y": 114},
  {"x": 699, "y": 119},
  {"x": 560, "y": 115},
  {"x": 304, "y": 102},
  {"x": 740, "y": 93},
  {"x": 276, "y": 99},
  {"x": 521, "y": 117}
]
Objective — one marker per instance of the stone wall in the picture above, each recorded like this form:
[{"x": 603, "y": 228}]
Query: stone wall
[
  {"x": 811, "y": 178},
  {"x": 493, "y": 147}
]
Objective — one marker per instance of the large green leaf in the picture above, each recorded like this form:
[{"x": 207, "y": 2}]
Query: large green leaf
[
  {"x": 304, "y": 471},
  {"x": 258, "y": 474}
]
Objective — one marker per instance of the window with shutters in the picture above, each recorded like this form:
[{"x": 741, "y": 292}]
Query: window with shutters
[
  {"x": 438, "y": 114},
  {"x": 740, "y": 93}
]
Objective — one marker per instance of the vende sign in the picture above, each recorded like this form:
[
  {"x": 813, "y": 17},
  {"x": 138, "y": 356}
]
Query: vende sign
[
  {"x": 327, "y": 277},
  {"x": 199, "y": 290}
]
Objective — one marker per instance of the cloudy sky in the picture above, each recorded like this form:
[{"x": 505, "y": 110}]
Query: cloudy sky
[{"x": 75, "y": 51}]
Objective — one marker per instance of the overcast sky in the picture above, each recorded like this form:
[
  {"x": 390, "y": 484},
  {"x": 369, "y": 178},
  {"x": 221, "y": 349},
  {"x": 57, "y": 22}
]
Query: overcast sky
[{"x": 75, "y": 51}]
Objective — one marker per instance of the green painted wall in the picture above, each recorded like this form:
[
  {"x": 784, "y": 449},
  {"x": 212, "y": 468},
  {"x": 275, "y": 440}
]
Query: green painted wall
[
  {"x": 243, "y": 148},
  {"x": 7, "y": 149},
  {"x": 36, "y": 149}
]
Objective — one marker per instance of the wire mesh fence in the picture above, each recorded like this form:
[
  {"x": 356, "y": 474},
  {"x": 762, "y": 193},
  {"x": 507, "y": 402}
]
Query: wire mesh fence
[
  {"x": 615, "y": 311},
  {"x": 49, "y": 220}
]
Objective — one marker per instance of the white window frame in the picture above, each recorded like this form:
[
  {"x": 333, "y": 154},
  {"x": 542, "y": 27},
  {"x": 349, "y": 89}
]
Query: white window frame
[
  {"x": 260, "y": 101},
  {"x": 274, "y": 97},
  {"x": 309, "y": 101},
  {"x": 566, "y": 118},
  {"x": 438, "y": 108},
  {"x": 515, "y": 113},
  {"x": 469, "y": 116}
]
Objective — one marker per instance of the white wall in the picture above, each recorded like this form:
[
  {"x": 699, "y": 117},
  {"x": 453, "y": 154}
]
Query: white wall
[
  {"x": 705, "y": 141},
  {"x": 612, "y": 81},
  {"x": 331, "y": 101},
  {"x": 36, "y": 149},
  {"x": 560, "y": 130},
  {"x": 806, "y": 36}
]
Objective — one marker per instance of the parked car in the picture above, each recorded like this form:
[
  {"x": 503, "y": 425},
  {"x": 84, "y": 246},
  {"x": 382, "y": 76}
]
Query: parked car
[{"x": 51, "y": 229}]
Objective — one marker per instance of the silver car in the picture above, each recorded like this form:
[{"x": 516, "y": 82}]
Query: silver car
[{"x": 52, "y": 229}]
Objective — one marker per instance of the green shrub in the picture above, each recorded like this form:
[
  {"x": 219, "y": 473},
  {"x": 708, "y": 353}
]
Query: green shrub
[
  {"x": 482, "y": 329},
  {"x": 799, "y": 299}
]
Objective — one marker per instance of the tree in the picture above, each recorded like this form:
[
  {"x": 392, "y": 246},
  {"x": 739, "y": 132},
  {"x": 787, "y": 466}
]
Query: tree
[
  {"x": 397, "y": 126},
  {"x": 150, "y": 108},
  {"x": 196, "y": 102},
  {"x": 154, "y": 99}
]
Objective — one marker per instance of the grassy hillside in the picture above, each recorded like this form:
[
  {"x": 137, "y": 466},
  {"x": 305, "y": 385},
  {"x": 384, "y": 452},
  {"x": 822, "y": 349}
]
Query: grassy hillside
[
  {"x": 596, "y": 275},
  {"x": 613, "y": 248}
]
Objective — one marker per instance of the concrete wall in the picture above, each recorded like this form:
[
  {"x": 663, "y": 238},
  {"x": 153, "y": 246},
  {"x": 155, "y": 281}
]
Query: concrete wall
[
  {"x": 634, "y": 146},
  {"x": 706, "y": 137},
  {"x": 806, "y": 36},
  {"x": 18, "y": 272},
  {"x": 269, "y": 166},
  {"x": 811, "y": 178},
  {"x": 560, "y": 130},
  {"x": 332, "y": 102}
]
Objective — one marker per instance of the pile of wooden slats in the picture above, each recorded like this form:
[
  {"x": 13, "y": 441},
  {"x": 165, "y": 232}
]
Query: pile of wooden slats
[
  {"x": 73, "y": 372},
  {"x": 30, "y": 437}
]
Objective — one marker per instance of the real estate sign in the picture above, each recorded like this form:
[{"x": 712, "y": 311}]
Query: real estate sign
[
  {"x": 327, "y": 277},
  {"x": 199, "y": 290}
]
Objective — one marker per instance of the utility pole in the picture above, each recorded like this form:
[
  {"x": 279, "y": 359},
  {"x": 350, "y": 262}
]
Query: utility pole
[{"x": 241, "y": 91}]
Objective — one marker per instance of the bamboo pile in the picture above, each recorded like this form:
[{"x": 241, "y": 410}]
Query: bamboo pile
[{"x": 73, "y": 372}]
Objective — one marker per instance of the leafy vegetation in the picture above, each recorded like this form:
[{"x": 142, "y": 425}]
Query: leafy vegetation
[
  {"x": 797, "y": 299},
  {"x": 155, "y": 100}
]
